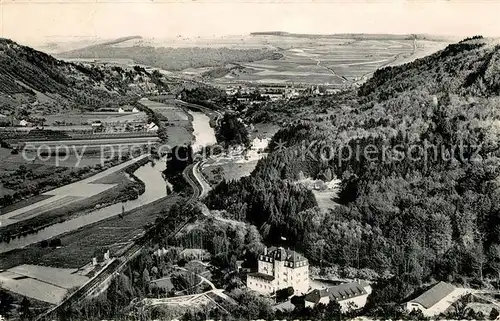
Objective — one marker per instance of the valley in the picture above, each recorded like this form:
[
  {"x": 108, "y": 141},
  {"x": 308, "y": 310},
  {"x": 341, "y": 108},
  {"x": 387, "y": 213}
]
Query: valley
[{"x": 270, "y": 176}]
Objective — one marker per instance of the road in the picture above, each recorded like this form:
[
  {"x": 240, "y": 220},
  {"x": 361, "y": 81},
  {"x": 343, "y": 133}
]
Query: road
[{"x": 201, "y": 188}]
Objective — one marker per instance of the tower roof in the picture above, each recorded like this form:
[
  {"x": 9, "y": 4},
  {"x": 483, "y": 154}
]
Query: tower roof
[{"x": 282, "y": 254}]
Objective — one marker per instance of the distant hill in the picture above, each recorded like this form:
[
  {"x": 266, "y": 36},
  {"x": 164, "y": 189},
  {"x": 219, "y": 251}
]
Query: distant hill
[
  {"x": 357, "y": 36},
  {"x": 167, "y": 58},
  {"x": 470, "y": 67},
  {"x": 31, "y": 77}
]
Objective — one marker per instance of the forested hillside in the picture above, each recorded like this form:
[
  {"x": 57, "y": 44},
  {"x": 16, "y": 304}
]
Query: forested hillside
[
  {"x": 28, "y": 76},
  {"x": 417, "y": 153}
]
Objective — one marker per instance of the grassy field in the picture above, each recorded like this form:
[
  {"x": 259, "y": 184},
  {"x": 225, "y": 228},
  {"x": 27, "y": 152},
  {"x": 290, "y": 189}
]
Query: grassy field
[
  {"x": 54, "y": 212},
  {"x": 23, "y": 203},
  {"x": 41, "y": 283},
  {"x": 79, "y": 246}
]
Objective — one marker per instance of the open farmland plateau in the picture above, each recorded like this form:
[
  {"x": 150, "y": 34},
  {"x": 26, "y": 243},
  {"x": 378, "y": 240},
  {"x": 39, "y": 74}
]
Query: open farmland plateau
[
  {"x": 266, "y": 58},
  {"x": 331, "y": 61}
]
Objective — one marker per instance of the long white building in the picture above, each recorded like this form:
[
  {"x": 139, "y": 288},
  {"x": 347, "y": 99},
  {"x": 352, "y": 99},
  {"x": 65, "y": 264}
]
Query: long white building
[
  {"x": 436, "y": 299},
  {"x": 349, "y": 295},
  {"x": 280, "y": 268}
]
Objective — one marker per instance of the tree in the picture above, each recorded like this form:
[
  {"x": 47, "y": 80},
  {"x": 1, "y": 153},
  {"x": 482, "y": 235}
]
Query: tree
[
  {"x": 146, "y": 279},
  {"x": 494, "y": 259},
  {"x": 494, "y": 314},
  {"x": 55, "y": 242},
  {"x": 284, "y": 294},
  {"x": 24, "y": 309},
  {"x": 232, "y": 131},
  {"x": 6, "y": 301}
]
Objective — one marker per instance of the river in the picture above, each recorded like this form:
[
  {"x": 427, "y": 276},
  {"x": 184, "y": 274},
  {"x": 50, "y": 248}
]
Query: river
[
  {"x": 150, "y": 174},
  {"x": 203, "y": 133}
]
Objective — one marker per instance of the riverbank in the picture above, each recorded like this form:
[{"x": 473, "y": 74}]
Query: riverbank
[
  {"x": 118, "y": 184},
  {"x": 78, "y": 247},
  {"x": 152, "y": 177}
]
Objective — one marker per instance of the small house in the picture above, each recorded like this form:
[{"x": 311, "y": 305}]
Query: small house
[
  {"x": 24, "y": 123},
  {"x": 152, "y": 127},
  {"x": 195, "y": 254},
  {"x": 127, "y": 109}
]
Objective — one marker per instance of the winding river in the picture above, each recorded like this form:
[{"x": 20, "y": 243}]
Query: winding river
[
  {"x": 150, "y": 174},
  {"x": 203, "y": 133}
]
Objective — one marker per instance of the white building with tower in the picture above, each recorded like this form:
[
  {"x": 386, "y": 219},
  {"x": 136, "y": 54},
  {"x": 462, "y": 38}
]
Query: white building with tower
[{"x": 280, "y": 268}]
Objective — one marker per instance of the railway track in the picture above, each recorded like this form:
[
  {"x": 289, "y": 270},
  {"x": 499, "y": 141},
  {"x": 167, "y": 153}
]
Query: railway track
[{"x": 117, "y": 264}]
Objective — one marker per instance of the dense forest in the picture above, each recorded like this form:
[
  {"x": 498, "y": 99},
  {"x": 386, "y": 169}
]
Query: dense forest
[
  {"x": 417, "y": 153},
  {"x": 232, "y": 131}
]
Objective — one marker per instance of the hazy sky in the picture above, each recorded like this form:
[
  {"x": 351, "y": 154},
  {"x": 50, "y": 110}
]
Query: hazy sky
[{"x": 31, "y": 21}]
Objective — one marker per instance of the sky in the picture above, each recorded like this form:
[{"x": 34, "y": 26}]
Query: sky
[{"x": 29, "y": 21}]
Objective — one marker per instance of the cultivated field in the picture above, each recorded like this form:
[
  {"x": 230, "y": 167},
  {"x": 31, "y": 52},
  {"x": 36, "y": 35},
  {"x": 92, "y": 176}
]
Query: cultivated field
[
  {"x": 331, "y": 61},
  {"x": 178, "y": 122},
  {"x": 79, "y": 247},
  {"x": 75, "y": 119},
  {"x": 41, "y": 283}
]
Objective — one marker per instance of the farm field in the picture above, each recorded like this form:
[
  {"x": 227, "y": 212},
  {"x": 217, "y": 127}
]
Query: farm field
[
  {"x": 331, "y": 61},
  {"x": 77, "y": 119},
  {"x": 179, "y": 126},
  {"x": 65, "y": 195},
  {"x": 11, "y": 162},
  {"x": 79, "y": 246}
]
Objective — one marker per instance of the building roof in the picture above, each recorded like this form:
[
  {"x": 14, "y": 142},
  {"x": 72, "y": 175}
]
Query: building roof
[
  {"x": 285, "y": 306},
  {"x": 258, "y": 275},
  {"x": 435, "y": 294},
  {"x": 338, "y": 293},
  {"x": 282, "y": 254}
]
